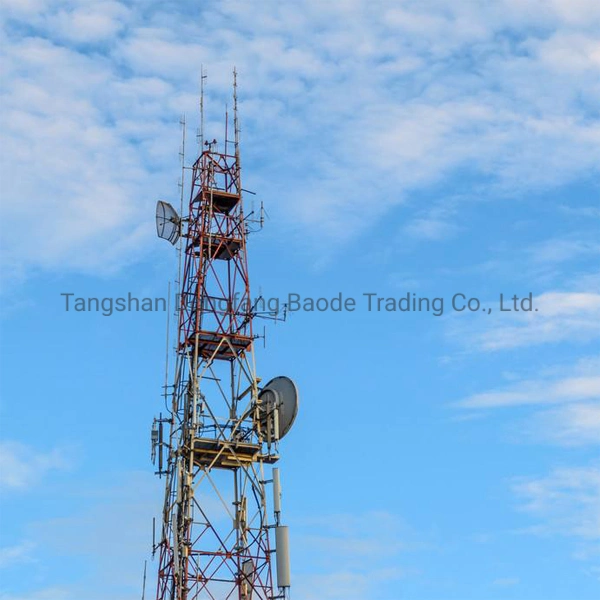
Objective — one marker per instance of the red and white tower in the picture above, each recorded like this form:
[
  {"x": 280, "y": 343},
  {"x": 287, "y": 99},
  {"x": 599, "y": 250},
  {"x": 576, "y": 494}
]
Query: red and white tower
[{"x": 217, "y": 445}]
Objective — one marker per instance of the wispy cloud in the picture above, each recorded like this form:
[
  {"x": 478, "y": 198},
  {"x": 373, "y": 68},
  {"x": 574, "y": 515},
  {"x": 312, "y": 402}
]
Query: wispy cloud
[
  {"x": 89, "y": 23},
  {"x": 563, "y": 250},
  {"x": 557, "y": 317},
  {"x": 372, "y": 101},
  {"x": 537, "y": 392},
  {"x": 355, "y": 556},
  {"x": 561, "y": 383},
  {"x": 434, "y": 224},
  {"x": 566, "y": 501},
  {"x": 591, "y": 212},
  {"x": 569, "y": 425},
  {"x": 19, "y": 553},
  {"x": 341, "y": 585},
  {"x": 22, "y": 466},
  {"x": 565, "y": 403},
  {"x": 109, "y": 533}
]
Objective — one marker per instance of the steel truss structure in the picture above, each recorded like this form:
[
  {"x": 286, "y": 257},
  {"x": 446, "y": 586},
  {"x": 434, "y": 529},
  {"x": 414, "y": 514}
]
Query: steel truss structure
[{"x": 215, "y": 539}]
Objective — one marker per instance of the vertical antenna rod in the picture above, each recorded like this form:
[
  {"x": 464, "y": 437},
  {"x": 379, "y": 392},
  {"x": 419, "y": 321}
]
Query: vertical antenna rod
[
  {"x": 167, "y": 342},
  {"x": 236, "y": 124},
  {"x": 181, "y": 197},
  {"x": 182, "y": 162},
  {"x": 144, "y": 581},
  {"x": 201, "y": 141}
]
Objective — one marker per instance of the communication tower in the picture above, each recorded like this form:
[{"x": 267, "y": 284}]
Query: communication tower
[{"x": 218, "y": 442}]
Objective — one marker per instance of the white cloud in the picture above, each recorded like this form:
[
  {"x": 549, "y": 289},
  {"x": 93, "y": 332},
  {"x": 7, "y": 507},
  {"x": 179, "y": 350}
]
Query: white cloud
[
  {"x": 558, "y": 303},
  {"x": 592, "y": 212},
  {"x": 578, "y": 382},
  {"x": 570, "y": 425},
  {"x": 118, "y": 526},
  {"x": 90, "y": 22},
  {"x": 537, "y": 392},
  {"x": 566, "y": 501},
  {"x": 562, "y": 250},
  {"x": 435, "y": 224},
  {"x": 22, "y": 8},
  {"x": 342, "y": 585},
  {"x": 343, "y": 102},
  {"x": 565, "y": 402},
  {"x": 67, "y": 174},
  {"x": 23, "y": 466},
  {"x": 354, "y": 556},
  {"x": 557, "y": 317},
  {"x": 117, "y": 523},
  {"x": 20, "y": 553}
]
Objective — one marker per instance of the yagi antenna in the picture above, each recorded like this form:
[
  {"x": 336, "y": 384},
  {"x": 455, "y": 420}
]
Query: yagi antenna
[{"x": 168, "y": 222}]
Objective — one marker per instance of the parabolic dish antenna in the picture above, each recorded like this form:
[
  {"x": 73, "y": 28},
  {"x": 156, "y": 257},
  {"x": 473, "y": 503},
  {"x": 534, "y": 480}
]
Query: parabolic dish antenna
[
  {"x": 279, "y": 406},
  {"x": 167, "y": 222}
]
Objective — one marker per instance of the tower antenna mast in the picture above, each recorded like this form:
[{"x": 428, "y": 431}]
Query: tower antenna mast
[{"x": 216, "y": 540}]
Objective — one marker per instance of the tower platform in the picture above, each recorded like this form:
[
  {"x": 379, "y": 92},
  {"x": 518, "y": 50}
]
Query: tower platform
[
  {"x": 227, "y": 454},
  {"x": 209, "y": 345},
  {"x": 222, "y": 201}
]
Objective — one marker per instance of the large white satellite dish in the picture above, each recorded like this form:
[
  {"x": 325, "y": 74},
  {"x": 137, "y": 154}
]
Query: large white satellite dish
[
  {"x": 278, "y": 407},
  {"x": 168, "y": 223}
]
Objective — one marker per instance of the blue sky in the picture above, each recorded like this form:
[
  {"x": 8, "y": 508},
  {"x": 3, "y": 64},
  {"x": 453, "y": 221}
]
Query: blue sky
[{"x": 429, "y": 148}]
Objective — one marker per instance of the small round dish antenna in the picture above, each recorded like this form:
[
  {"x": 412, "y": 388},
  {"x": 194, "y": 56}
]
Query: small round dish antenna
[
  {"x": 278, "y": 407},
  {"x": 168, "y": 223}
]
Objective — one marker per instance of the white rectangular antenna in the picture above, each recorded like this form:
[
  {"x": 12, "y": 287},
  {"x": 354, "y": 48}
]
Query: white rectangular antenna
[
  {"x": 276, "y": 493},
  {"x": 282, "y": 550}
]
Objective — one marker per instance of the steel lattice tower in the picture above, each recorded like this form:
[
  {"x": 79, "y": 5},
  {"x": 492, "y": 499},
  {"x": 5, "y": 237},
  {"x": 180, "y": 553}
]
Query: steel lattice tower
[{"x": 215, "y": 539}]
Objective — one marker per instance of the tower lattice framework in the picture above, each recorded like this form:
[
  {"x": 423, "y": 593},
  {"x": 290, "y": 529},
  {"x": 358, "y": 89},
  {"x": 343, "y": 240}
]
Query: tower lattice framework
[{"x": 214, "y": 542}]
